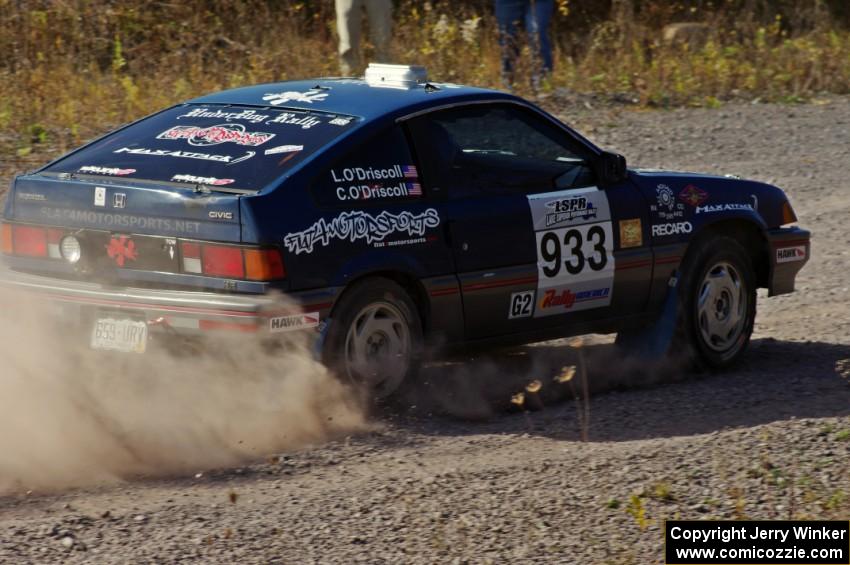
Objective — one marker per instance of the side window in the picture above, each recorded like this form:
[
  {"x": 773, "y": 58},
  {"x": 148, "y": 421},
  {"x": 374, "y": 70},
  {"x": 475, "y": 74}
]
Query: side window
[
  {"x": 480, "y": 149},
  {"x": 380, "y": 170}
]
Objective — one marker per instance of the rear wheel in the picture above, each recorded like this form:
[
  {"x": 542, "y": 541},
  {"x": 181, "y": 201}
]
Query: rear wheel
[
  {"x": 718, "y": 301},
  {"x": 375, "y": 338}
]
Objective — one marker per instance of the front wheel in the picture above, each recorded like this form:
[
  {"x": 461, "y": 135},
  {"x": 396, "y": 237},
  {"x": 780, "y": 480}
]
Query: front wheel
[
  {"x": 718, "y": 299},
  {"x": 375, "y": 338}
]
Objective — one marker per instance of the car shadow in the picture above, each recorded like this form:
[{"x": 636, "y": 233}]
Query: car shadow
[{"x": 630, "y": 398}]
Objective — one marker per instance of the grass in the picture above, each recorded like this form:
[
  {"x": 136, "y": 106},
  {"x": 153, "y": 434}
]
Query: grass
[{"x": 72, "y": 70}]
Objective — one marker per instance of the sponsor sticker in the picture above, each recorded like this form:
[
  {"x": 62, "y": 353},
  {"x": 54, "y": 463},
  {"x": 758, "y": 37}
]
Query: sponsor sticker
[
  {"x": 99, "y": 196},
  {"x": 121, "y": 249},
  {"x": 791, "y": 254},
  {"x": 312, "y": 95},
  {"x": 673, "y": 228},
  {"x": 293, "y": 322},
  {"x": 119, "y": 200},
  {"x": 202, "y": 180},
  {"x": 355, "y": 226},
  {"x": 567, "y": 209},
  {"x": 522, "y": 304},
  {"x": 291, "y": 119},
  {"x": 631, "y": 233},
  {"x": 666, "y": 207},
  {"x": 31, "y": 196},
  {"x": 693, "y": 195},
  {"x": 215, "y": 135},
  {"x": 284, "y": 149},
  {"x": 712, "y": 208},
  {"x": 340, "y": 121},
  {"x": 566, "y": 299},
  {"x": 251, "y": 116},
  {"x": 227, "y": 159},
  {"x": 112, "y": 171},
  {"x": 116, "y": 220}
]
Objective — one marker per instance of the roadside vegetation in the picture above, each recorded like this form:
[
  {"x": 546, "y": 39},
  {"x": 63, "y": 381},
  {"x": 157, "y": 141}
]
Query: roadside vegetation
[{"x": 74, "y": 69}]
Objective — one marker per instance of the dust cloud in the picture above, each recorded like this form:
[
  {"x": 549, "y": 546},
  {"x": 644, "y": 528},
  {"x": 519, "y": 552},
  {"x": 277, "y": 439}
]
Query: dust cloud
[{"x": 73, "y": 417}]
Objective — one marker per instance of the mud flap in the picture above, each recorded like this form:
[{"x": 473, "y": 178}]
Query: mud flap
[
  {"x": 655, "y": 340},
  {"x": 319, "y": 343}
]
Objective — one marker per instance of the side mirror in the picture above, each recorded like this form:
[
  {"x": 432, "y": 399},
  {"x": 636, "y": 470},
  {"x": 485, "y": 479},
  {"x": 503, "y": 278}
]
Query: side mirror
[{"x": 610, "y": 168}]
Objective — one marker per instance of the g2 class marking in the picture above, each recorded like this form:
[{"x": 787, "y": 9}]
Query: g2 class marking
[{"x": 521, "y": 305}]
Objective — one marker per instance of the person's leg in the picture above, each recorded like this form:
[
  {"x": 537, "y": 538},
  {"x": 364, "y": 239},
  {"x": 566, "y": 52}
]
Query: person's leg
[
  {"x": 508, "y": 14},
  {"x": 537, "y": 19},
  {"x": 348, "y": 17},
  {"x": 380, "y": 27}
]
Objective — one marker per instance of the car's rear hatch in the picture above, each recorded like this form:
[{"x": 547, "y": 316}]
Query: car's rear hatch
[{"x": 157, "y": 202}]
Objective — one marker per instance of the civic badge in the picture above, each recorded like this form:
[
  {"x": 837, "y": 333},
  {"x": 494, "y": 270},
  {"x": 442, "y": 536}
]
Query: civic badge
[{"x": 119, "y": 200}]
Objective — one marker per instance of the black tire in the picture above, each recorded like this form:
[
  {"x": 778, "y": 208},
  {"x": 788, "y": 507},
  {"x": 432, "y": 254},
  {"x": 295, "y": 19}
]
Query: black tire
[
  {"x": 396, "y": 320},
  {"x": 718, "y": 287}
]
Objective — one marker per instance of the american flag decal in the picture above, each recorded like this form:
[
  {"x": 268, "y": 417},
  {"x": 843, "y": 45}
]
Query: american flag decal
[
  {"x": 413, "y": 188},
  {"x": 410, "y": 172}
]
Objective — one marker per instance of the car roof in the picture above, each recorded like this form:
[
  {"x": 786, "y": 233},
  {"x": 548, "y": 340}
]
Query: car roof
[{"x": 352, "y": 96}]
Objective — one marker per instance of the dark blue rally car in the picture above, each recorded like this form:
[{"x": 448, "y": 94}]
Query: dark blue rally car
[{"x": 384, "y": 214}]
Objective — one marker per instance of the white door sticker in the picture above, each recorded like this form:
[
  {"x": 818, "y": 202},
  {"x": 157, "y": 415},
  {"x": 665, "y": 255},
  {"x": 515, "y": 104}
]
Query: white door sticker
[
  {"x": 99, "y": 196},
  {"x": 575, "y": 244}
]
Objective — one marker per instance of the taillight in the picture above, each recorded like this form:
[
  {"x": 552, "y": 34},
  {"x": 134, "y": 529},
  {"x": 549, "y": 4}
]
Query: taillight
[
  {"x": 232, "y": 262},
  {"x": 222, "y": 261},
  {"x": 29, "y": 241},
  {"x": 6, "y": 239},
  {"x": 788, "y": 215},
  {"x": 263, "y": 265}
]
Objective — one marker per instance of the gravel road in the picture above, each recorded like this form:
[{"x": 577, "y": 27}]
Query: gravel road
[{"x": 461, "y": 480}]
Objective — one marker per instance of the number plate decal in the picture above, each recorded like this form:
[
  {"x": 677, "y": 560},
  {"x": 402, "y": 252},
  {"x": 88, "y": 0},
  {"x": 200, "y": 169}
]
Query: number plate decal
[
  {"x": 127, "y": 336},
  {"x": 575, "y": 244}
]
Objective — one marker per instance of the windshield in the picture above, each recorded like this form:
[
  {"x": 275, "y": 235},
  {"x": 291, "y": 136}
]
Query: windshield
[{"x": 219, "y": 146}]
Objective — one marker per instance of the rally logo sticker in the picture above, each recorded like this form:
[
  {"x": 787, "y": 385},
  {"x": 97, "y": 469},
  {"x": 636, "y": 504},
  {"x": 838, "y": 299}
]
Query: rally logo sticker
[
  {"x": 294, "y": 322},
  {"x": 356, "y": 226},
  {"x": 312, "y": 95},
  {"x": 112, "y": 171},
  {"x": 215, "y": 135},
  {"x": 575, "y": 250},
  {"x": 731, "y": 207}
]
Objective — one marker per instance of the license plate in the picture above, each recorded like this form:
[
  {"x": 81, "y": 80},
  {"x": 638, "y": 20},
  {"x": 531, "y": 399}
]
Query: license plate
[{"x": 127, "y": 336}]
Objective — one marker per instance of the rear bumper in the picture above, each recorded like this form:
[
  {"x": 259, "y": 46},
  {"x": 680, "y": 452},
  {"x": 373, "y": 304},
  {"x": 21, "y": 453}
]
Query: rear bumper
[
  {"x": 790, "y": 250},
  {"x": 186, "y": 312}
]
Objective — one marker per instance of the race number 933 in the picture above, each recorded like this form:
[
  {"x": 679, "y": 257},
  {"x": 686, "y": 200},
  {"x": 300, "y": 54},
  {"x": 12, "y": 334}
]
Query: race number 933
[{"x": 574, "y": 250}]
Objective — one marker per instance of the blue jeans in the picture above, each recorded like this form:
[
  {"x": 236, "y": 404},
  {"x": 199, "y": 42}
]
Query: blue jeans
[{"x": 536, "y": 15}]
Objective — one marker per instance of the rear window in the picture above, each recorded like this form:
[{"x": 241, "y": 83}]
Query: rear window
[{"x": 226, "y": 147}]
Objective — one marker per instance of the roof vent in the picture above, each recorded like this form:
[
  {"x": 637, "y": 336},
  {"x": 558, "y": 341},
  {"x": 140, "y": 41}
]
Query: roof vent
[{"x": 395, "y": 76}]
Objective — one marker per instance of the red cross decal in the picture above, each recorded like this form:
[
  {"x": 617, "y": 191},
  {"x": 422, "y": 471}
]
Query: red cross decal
[{"x": 121, "y": 249}]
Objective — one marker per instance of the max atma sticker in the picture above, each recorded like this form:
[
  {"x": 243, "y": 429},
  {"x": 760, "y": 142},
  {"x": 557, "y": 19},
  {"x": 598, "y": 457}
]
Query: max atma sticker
[
  {"x": 357, "y": 226},
  {"x": 293, "y": 322}
]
